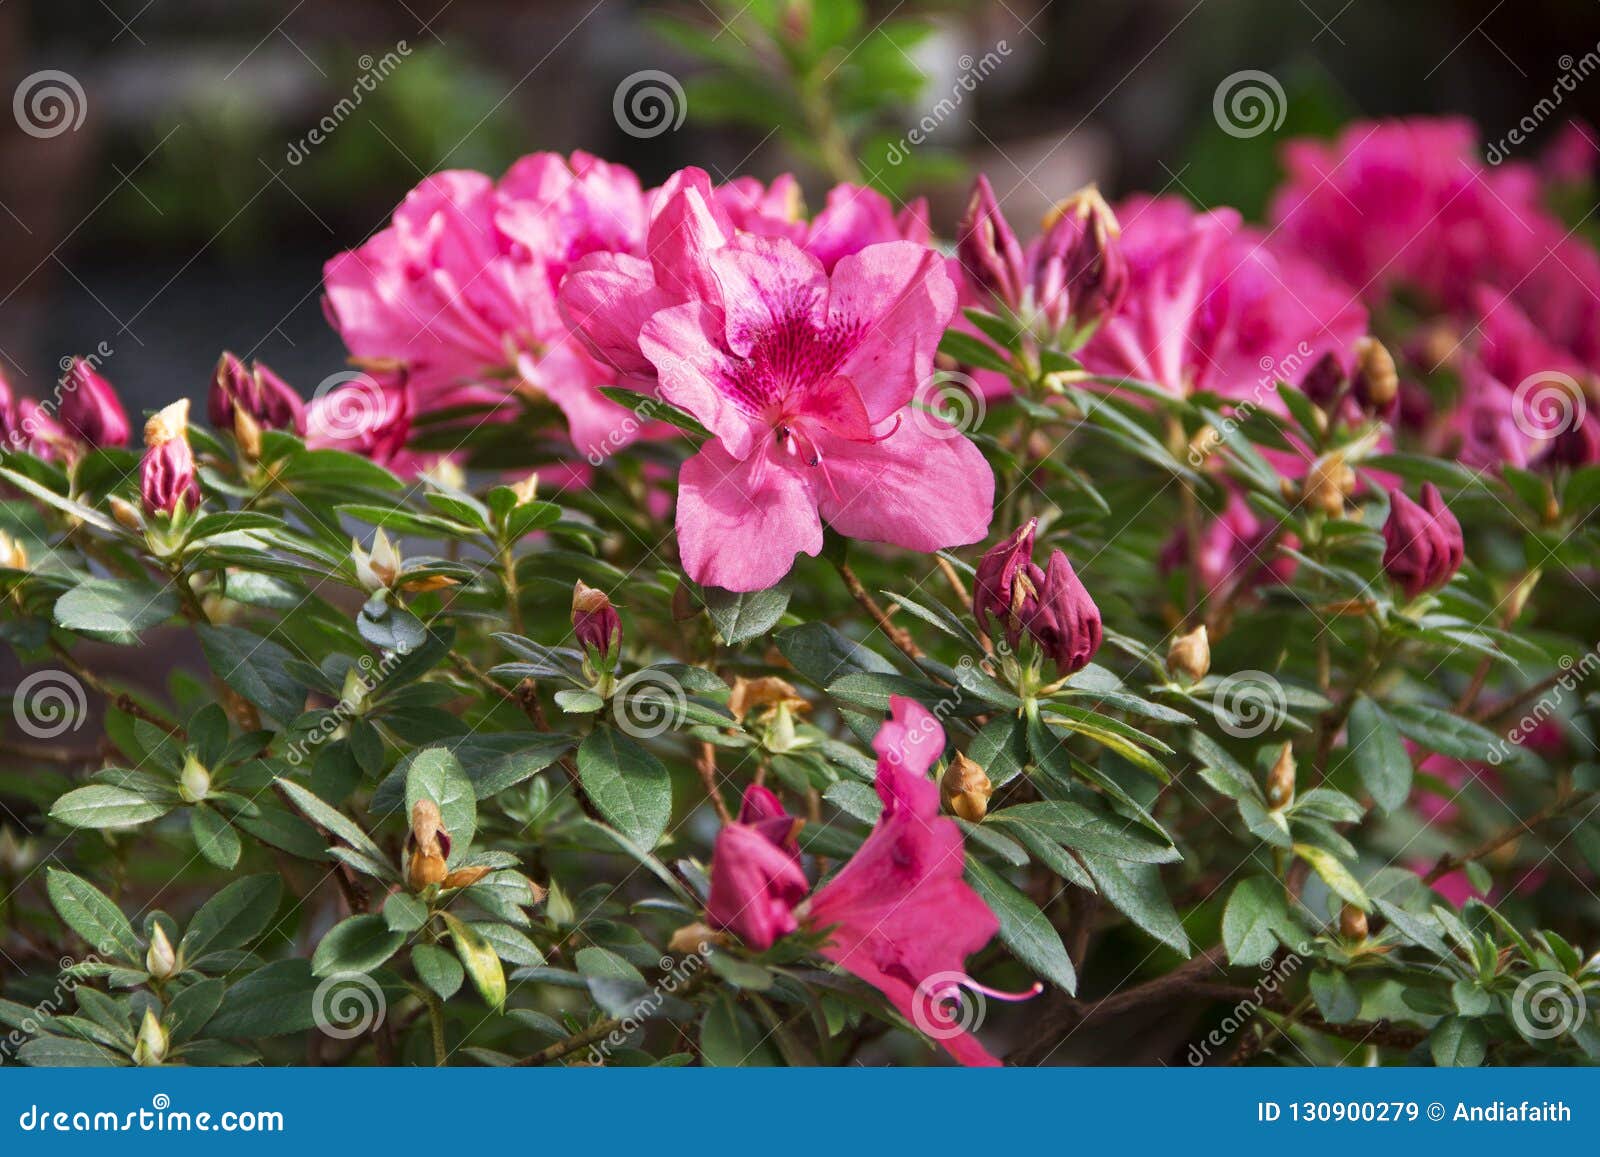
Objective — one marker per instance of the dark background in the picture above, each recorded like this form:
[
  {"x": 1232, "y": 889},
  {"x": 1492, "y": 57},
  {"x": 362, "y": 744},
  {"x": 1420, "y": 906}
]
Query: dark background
[{"x": 171, "y": 223}]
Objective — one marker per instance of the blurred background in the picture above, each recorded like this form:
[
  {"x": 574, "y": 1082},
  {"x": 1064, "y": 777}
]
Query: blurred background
[{"x": 206, "y": 156}]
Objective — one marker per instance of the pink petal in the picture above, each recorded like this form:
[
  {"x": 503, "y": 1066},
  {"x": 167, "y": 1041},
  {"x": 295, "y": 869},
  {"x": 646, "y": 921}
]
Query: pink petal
[
  {"x": 740, "y": 524},
  {"x": 606, "y": 299},
  {"x": 684, "y": 346},
  {"x": 900, "y": 298},
  {"x": 767, "y": 283},
  {"x": 923, "y": 487}
]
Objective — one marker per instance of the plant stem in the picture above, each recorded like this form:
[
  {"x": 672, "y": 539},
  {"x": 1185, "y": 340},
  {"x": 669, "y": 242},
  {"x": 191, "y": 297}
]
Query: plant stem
[
  {"x": 436, "y": 1022},
  {"x": 706, "y": 765},
  {"x": 1451, "y": 862},
  {"x": 898, "y": 637}
]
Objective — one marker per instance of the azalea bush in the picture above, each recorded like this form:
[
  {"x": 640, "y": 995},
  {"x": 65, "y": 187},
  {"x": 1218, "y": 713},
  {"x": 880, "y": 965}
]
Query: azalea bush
[{"x": 696, "y": 630}]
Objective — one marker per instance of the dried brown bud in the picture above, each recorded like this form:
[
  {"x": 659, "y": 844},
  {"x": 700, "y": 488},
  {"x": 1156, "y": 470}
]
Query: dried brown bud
[
  {"x": 126, "y": 514},
  {"x": 694, "y": 939},
  {"x": 966, "y": 789},
  {"x": 425, "y": 869},
  {"x": 1280, "y": 780},
  {"x": 763, "y": 696},
  {"x": 429, "y": 845},
  {"x": 1352, "y": 923},
  {"x": 1376, "y": 384},
  {"x": 247, "y": 432},
  {"x": 1189, "y": 656}
]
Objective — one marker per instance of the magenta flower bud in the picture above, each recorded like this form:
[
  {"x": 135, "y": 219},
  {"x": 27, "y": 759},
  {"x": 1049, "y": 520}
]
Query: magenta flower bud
[
  {"x": 166, "y": 473},
  {"x": 1064, "y": 620},
  {"x": 1422, "y": 544},
  {"x": 991, "y": 257},
  {"x": 259, "y": 392},
  {"x": 596, "y": 624},
  {"x": 1050, "y": 606},
  {"x": 1004, "y": 586},
  {"x": 90, "y": 410},
  {"x": 1080, "y": 274},
  {"x": 1323, "y": 380},
  {"x": 1577, "y": 446}
]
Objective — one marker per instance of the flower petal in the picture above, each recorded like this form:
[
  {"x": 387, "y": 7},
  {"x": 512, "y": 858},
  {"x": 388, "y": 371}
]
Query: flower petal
[
  {"x": 900, "y": 298},
  {"x": 741, "y": 523}
]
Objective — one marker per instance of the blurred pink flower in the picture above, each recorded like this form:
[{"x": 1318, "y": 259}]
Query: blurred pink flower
[
  {"x": 1572, "y": 157},
  {"x": 1233, "y": 552},
  {"x": 1212, "y": 306}
]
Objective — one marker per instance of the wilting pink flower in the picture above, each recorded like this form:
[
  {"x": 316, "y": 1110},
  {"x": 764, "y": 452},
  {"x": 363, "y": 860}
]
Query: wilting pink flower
[
  {"x": 1422, "y": 544},
  {"x": 1409, "y": 203},
  {"x": 898, "y": 914},
  {"x": 89, "y": 410},
  {"x": 166, "y": 472},
  {"x": 1048, "y": 605},
  {"x": 1213, "y": 306},
  {"x": 1234, "y": 551},
  {"x": 803, "y": 378},
  {"x": 460, "y": 288},
  {"x": 756, "y": 878},
  {"x": 256, "y": 390}
]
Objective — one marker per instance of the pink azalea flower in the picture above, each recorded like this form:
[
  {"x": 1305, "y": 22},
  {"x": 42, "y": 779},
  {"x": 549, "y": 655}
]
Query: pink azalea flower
[
  {"x": 898, "y": 915},
  {"x": 854, "y": 217},
  {"x": 1409, "y": 203},
  {"x": 1212, "y": 306},
  {"x": 1233, "y": 552},
  {"x": 804, "y": 380},
  {"x": 460, "y": 288}
]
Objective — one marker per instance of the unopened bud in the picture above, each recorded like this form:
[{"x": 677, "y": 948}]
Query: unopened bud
[
  {"x": 151, "y": 1047},
  {"x": 378, "y": 570},
  {"x": 126, "y": 514},
  {"x": 465, "y": 877},
  {"x": 160, "y": 959},
  {"x": 429, "y": 846},
  {"x": 527, "y": 490},
  {"x": 247, "y": 433},
  {"x": 596, "y": 624},
  {"x": 194, "y": 783},
  {"x": 1352, "y": 923},
  {"x": 1189, "y": 656},
  {"x": 12, "y": 555},
  {"x": 1328, "y": 483},
  {"x": 1280, "y": 780},
  {"x": 966, "y": 789},
  {"x": 1376, "y": 384}
]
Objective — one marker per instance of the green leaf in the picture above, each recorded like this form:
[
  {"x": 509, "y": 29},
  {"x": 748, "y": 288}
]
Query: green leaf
[
  {"x": 1379, "y": 754},
  {"x": 435, "y": 774},
  {"x": 215, "y": 837},
  {"x": 355, "y": 944},
  {"x": 192, "y": 1008},
  {"x": 742, "y": 617},
  {"x": 335, "y": 822},
  {"x": 630, "y": 786},
  {"x": 403, "y": 912},
  {"x": 114, "y": 608},
  {"x": 1457, "y": 1042},
  {"x": 65, "y": 1052},
  {"x": 731, "y": 1038},
  {"x": 1337, "y": 999},
  {"x": 480, "y": 960},
  {"x": 257, "y": 668},
  {"x": 1256, "y": 920},
  {"x": 90, "y": 913},
  {"x": 1075, "y": 826},
  {"x": 1449, "y": 734},
  {"x": 1023, "y": 928},
  {"x": 234, "y": 916},
  {"x": 102, "y": 806},
  {"x": 438, "y": 969},
  {"x": 1334, "y": 874},
  {"x": 1137, "y": 892},
  {"x": 271, "y": 1001}
]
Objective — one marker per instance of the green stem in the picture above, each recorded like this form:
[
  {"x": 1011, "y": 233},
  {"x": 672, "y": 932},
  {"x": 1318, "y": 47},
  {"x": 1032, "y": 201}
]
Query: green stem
[{"x": 436, "y": 1022}]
